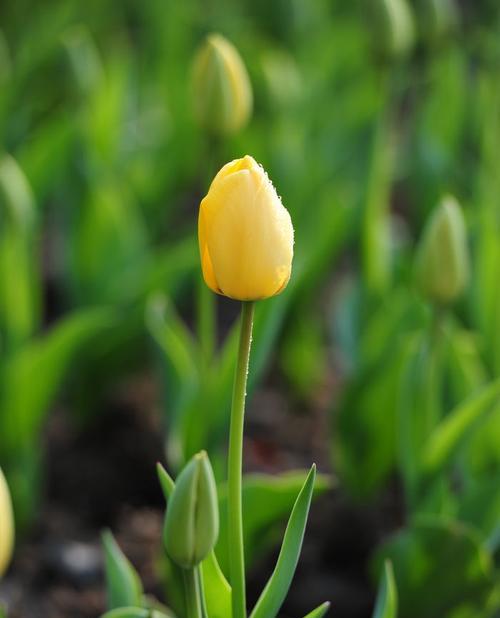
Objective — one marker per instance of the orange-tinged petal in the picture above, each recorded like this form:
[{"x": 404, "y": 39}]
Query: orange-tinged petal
[{"x": 206, "y": 261}]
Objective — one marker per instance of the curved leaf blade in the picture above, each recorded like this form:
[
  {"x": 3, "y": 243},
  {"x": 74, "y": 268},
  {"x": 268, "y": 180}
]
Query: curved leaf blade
[
  {"x": 387, "y": 597},
  {"x": 135, "y": 612},
  {"x": 278, "y": 585},
  {"x": 124, "y": 587},
  {"x": 217, "y": 590},
  {"x": 455, "y": 427},
  {"x": 320, "y": 611},
  {"x": 263, "y": 528},
  {"x": 166, "y": 481}
]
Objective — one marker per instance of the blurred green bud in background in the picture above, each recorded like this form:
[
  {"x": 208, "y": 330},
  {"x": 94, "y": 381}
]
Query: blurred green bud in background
[
  {"x": 222, "y": 93},
  {"x": 192, "y": 521},
  {"x": 442, "y": 261},
  {"x": 282, "y": 77},
  {"x": 392, "y": 27},
  {"x": 438, "y": 19},
  {"x": 6, "y": 525}
]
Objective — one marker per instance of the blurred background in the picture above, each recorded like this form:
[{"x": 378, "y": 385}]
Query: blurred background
[{"x": 366, "y": 115}]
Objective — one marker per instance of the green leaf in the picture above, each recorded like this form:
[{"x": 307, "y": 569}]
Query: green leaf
[
  {"x": 166, "y": 481},
  {"x": 19, "y": 284},
  {"x": 135, "y": 612},
  {"x": 173, "y": 337},
  {"x": 441, "y": 569},
  {"x": 108, "y": 218},
  {"x": 217, "y": 590},
  {"x": 376, "y": 351},
  {"x": 387, "y": 598},
  {"x": 482, "y": 455},
  {"x": 278, "y": 585},
  {"x": 375, "y": 228},
  {"x": 420, "y": 406},
  {"x": 262, "y": 528},
  {"x": 319, "y": 611},
  {"x": 31, "y": 377},
  {"x": 479, "y": 504},
  {"x": 181, "y": 373},
  {"x": 84, "y": 58},
  {"x": 45, "y": 156},
  {"x": 454, "y": 429},
  {"x": 365, "y": 445},
  {"x": 466, "y": 367},
  {"x": 124, "y": 587}
]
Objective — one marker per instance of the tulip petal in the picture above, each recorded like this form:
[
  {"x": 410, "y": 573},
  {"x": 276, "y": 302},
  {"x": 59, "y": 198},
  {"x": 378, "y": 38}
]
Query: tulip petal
[{"x": 206, "y": 261}]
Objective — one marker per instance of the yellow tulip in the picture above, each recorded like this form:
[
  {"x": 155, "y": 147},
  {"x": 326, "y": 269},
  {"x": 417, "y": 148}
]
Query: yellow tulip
[
  {"x": 6, "y": 525},
  {"x": 245, "y": 234},
  {"x": 222, "y": 93}
]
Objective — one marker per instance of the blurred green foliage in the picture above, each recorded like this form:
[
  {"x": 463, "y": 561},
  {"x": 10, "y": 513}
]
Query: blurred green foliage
[{"x": 363, "y": 128}]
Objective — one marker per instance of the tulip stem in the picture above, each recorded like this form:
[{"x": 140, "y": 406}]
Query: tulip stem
[
  {"x": 235, "y": 511},
  {"x": 201, "y": 591},
  {"x": 192, "y": 592}
]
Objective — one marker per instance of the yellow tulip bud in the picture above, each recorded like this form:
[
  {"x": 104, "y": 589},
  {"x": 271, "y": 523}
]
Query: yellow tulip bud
[
  {"x": 245, "y": 234},
  {"x": 222, "y": 92},
  {"x": 6, "y": 525},
  {"x": 442, "y": 263}
]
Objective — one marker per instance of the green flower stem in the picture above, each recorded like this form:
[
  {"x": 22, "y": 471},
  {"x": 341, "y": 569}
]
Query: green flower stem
[
  {"x": 235, "y": 517},
  {"x": 191, "y": 590},
  {"x": 201, "y": 591}
]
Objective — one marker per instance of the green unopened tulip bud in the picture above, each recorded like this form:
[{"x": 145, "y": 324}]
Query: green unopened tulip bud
[
  {"x": 6, "y": 525},
  {"x": 222, "y": 92},
  {"x": 192, "y": 521},
  {"x": 442, "y": 262},
  {"x": 393, "y": 27}
]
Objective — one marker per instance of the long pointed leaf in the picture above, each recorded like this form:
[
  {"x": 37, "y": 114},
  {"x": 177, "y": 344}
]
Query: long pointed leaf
[
  {"x": 450, "y": 433},
  {"x": 387, "y": 598},
  {"x": 218, "y": 592},
  {"x": 262, "y": 528},
  {"x": 135, "y": 612},
  {"x": 123, "y": 584},
  {"x": 30, "y": 378},
  {"x": 166, "y": 481},
  {"x": 320, "y": 611},
  {"x": 278, "y": 585}
]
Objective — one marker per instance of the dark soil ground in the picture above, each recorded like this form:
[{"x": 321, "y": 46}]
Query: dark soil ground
[{"x": 104, "y": 477}]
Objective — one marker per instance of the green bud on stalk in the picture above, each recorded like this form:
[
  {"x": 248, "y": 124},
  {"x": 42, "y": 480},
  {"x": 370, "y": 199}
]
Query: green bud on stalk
[
  {"x": 393, "y": 28},
  {"x": 192, "y": 521},
  {"x": 222, "y": 93},
  {"x": 442, "y": 262}
]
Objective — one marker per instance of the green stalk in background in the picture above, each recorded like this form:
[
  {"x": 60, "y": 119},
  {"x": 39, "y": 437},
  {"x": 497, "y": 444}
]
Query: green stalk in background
[
  {"x": 206, "y": 305},
  {"x": 235, "y": 514}
]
